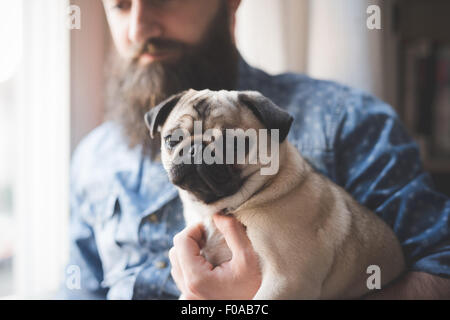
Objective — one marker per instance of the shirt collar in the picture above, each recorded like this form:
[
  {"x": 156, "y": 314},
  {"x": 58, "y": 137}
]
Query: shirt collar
[{"x": 246, "y": 76}]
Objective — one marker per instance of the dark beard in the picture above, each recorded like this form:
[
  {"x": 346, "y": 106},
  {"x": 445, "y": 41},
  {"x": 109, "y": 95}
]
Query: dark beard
[{"x": 132, "y": 89}]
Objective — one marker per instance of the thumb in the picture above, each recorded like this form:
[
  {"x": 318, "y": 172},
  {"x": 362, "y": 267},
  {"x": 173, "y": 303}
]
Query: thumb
[{"x": 234, "y": 234}]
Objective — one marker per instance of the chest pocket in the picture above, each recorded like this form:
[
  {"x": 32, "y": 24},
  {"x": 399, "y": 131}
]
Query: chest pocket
[
  {"x": 158, "y": 229},
  {"x": 114, "y": 258}
]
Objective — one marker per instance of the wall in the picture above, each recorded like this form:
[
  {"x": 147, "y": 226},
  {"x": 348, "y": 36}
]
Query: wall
[{"x": 88, "y": 52}]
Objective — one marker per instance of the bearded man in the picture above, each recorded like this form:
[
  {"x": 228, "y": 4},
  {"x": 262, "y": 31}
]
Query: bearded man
[{"x": 125, "y": 212}]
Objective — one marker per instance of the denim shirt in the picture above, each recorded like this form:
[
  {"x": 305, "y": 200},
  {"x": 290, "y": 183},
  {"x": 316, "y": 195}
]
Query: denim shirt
[{"x": 125, "y": 212}]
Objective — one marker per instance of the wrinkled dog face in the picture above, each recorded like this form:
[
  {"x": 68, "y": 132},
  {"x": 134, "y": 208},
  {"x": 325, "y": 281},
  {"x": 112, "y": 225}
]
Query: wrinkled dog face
[{"x": 206, "y": 146}]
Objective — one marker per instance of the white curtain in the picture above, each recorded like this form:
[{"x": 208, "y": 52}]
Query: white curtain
[
  {"x": 42, "y": 135},
  {"x": 327, "y": 39},
  {"x": 272, "y": 34}
]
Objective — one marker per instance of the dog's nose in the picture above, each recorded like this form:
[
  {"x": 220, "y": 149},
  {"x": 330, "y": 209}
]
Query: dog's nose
[
  {"x": 220, "y": 178},
  {"x": 195, "y": 152},
  {"x": 194, "y": 149}
]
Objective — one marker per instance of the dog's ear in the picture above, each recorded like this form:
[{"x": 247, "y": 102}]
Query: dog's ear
[
  {"x": 156, "y": 117},
  {"x": 272, "y": 116}
]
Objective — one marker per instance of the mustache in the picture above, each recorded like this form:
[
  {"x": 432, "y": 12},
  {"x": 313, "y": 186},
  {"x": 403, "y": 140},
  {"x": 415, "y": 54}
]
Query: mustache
[{"x": 155, "y": 45}]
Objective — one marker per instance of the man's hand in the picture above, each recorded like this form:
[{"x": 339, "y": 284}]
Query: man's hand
[{"x": 239, "y": 278}]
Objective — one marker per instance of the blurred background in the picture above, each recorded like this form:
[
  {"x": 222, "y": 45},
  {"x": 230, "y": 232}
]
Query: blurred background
[{"x": 51, "y": 95}]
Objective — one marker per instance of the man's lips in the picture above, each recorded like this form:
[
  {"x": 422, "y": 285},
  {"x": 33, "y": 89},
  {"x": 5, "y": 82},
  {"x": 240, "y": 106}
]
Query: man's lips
[
  {"x": 155, "y": 53},
  {"x": 157, "y": 56},
  {"x": 147, "y": 57}
]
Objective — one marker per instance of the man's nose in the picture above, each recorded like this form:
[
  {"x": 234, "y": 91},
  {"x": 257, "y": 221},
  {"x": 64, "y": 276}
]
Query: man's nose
[{"x": 144, "y": 22}]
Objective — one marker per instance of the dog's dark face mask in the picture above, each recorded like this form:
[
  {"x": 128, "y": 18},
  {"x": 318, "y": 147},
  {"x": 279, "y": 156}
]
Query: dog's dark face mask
[{"x": 132, "y": 89}]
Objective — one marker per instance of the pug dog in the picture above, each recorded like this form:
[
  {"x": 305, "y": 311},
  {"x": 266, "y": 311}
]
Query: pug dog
[{"x": 312, "y": 239}]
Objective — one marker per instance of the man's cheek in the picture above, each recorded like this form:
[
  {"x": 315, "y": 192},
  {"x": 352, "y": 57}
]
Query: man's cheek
[{"x": 119, "y": 33}]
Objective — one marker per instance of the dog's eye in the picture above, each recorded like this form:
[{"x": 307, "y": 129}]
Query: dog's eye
[{"x": 171, "y": 143}]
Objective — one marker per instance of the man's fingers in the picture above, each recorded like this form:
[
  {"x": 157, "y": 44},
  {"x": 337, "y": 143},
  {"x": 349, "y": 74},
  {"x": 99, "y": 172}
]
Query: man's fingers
[
  {"x": 235, "y": 236},
  {"x": 190, "y": 240},
  {"x": 176, "y": 272},
  {"x": 177, "y": 275},
  {"x": 192, "y": 264}
]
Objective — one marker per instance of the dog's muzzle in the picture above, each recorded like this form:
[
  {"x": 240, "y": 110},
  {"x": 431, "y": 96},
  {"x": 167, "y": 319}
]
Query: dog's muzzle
[{"x": 208, "y": 182}]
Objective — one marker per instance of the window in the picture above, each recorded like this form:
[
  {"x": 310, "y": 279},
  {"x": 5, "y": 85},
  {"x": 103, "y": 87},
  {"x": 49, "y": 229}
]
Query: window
[
  {"x": 34, "y": 146},
  {"x": 11, "y": 48}
]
